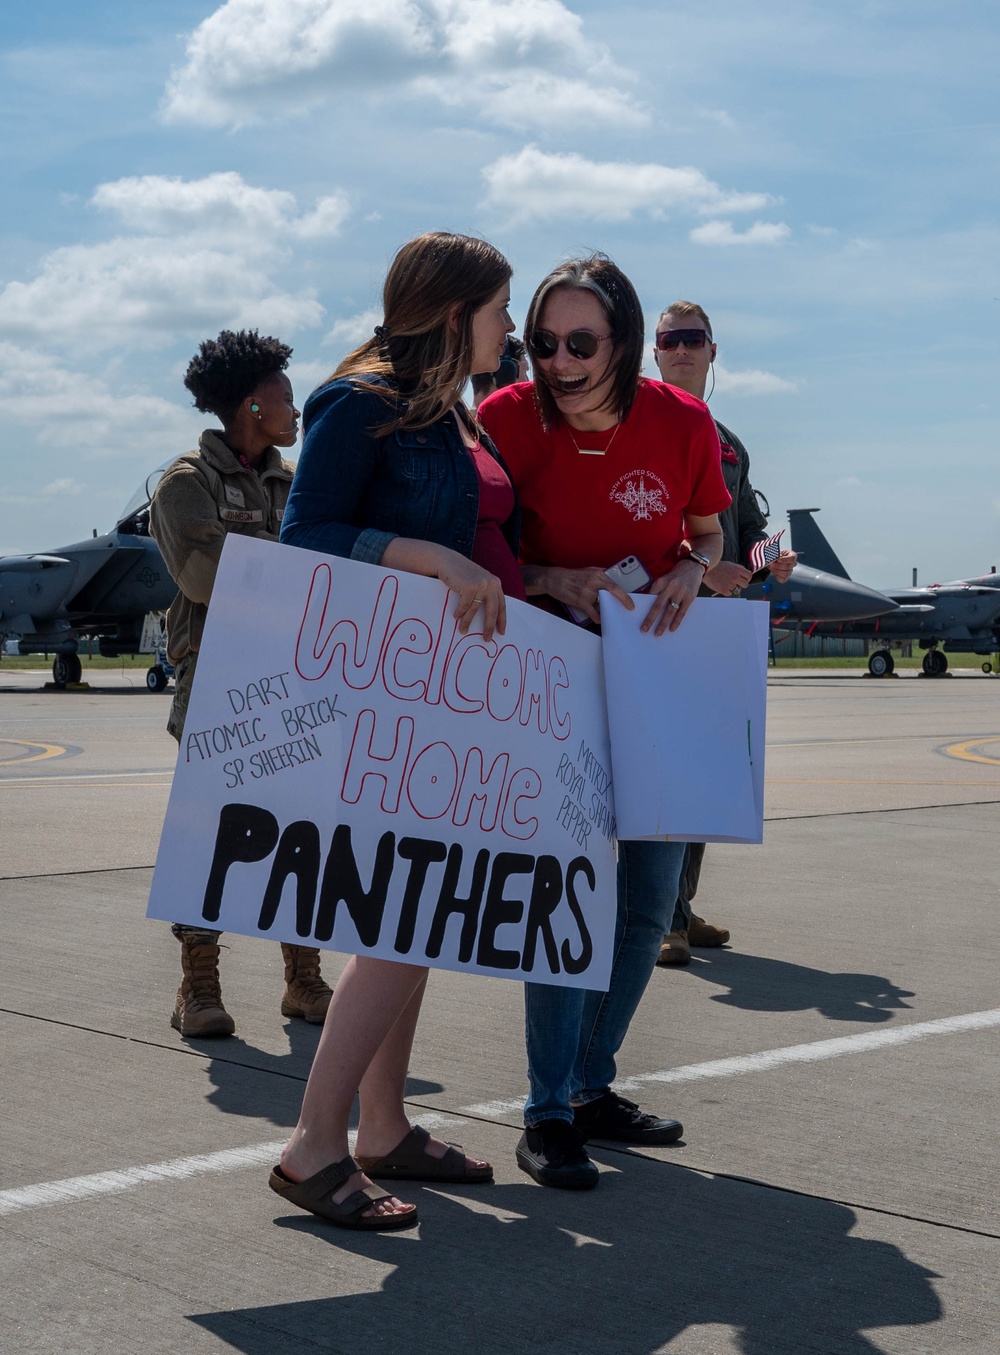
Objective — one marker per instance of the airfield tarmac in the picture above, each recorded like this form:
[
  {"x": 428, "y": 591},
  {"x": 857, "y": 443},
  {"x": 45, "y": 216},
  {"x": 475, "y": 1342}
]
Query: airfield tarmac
[{"x": 836, "y": 1189}]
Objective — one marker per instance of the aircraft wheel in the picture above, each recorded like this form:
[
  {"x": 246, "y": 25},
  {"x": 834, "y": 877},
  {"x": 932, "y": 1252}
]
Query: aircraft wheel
[
  {"x": 987, "y": 668},
  {"x": 156, "y": 678},
  {"x": 66, "y": 669},
  {"x": 881, "y": 663},
  {"x": 935, "y": 663}
]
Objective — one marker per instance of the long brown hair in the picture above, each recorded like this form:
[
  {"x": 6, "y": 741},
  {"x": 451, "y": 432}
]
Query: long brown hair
[
  {"x": 415, "y": 349},
  {"x": 599, "y": 275}
]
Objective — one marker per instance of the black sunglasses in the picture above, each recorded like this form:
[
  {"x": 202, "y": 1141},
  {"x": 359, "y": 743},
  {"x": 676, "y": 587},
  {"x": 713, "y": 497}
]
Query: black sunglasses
[
  {"x": 690, "y": 338},
  {"x": 581, "y": 343}
]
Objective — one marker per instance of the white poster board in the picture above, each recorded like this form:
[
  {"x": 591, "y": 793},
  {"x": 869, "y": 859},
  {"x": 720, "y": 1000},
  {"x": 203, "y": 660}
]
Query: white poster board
[
  {"x": 356, "y": 775},
  {"x": 686, "y": 711}
]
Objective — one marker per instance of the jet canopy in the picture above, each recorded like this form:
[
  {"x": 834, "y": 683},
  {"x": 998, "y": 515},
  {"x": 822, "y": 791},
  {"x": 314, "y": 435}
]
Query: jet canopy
[{"x": 134, "y": 517}]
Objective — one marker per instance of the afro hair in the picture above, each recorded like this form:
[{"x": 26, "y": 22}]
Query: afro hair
[{"x": 228, "y": 369}]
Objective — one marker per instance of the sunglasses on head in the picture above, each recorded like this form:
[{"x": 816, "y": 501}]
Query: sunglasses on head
[
  {"x": 581, "y": 343},
  {"x": 690, "y": 338}
]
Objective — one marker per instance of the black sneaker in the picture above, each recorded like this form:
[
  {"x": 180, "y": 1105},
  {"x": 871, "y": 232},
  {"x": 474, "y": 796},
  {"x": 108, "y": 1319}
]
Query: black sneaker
[
  {"x": 612, "y": 1117},
  {"x": 552, "y": 1153}
]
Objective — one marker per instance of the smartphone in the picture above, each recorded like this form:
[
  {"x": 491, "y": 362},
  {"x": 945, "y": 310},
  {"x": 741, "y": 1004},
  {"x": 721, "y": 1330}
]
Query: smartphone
[{"x": 629, "y": 574}]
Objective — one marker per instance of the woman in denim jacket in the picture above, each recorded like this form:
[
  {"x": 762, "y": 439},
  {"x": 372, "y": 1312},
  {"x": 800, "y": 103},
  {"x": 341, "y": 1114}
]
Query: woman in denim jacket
[
  {"x": 395, "y": 471},
  {"x": 354, "y": 493}
]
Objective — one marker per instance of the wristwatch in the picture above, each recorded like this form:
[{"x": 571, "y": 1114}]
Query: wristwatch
[{"x": 697, "y": 557}]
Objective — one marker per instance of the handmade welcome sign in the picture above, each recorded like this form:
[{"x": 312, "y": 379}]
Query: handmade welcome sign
[{"x": 356, "y": 774}]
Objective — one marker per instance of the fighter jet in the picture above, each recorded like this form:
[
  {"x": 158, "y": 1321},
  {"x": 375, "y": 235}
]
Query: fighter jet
[
  {"x": 103, "y": 588},
  {"x": 817, "y": 593},
  {"x": 963, "y": 616}
]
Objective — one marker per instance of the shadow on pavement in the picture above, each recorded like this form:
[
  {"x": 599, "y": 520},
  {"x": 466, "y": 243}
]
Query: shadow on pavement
[
  {"x": 759, "y": 984},
  {"x": 246, "y": 1080},
  {"x": 515, "y": 1268}
]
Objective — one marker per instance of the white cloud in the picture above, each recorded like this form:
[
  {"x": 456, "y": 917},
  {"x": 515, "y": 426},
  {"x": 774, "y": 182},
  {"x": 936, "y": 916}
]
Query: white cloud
[
  {"x": 219, "y": 205},
  {"x": 306, "y": 376},
  {"x": 254, "y": 58},
  {"x": 325, "y": 220},
  {"x": 352, "y": 330},
  {"x": 73, "y": 409},
  {"x": 536, "y": 185},
  {"x": 203, "y": 262},
  {"x": 722, "y": 233},
  {"x": 143, "y": 290},
  {"x": 751, "y": 382}
]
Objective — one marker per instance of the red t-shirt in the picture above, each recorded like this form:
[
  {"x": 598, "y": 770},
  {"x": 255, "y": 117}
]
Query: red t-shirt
[{"x": 593, "y": 498}]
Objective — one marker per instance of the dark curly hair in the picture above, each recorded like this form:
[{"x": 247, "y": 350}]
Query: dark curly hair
[{"x": 228, "y": 369}]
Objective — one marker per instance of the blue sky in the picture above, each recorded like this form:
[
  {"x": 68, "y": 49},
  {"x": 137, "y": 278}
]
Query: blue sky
[{"x": 823, "y": 179}]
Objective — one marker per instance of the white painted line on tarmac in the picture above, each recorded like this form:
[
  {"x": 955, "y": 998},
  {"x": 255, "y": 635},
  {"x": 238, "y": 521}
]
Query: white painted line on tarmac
[
  {"x": 818, "y": 1050},
  {"x": 776, "y": 1058},
  {"x": 110, "y": 1183},
  {"x": 76, "y": 1188},
  {"x": 231, "y": 1159}
]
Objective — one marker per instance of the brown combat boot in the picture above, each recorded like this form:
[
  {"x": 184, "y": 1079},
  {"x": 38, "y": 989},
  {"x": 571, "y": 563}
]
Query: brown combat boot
[
  {"x": 306, "y": 992},
  {"x": 675, "y": 948},
  {"x": 702, "y": 933},
  {"x": 199, "y": 1011}
]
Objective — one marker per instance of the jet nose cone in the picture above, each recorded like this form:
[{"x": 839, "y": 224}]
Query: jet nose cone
[{"x": 812, "y": 595}]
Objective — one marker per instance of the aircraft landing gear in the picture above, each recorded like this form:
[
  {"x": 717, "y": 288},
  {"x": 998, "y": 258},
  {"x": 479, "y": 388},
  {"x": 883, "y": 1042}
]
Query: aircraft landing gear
[
  {"x": 66, "y": 669},
  {"x": 935, "y": 663},
  {"x": 156, "y": 678},
  {"x": 881, "y": 663}
]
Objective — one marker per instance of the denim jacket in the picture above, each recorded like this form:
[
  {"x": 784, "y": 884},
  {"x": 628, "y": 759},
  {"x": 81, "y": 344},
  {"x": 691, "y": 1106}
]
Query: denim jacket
[{"x": 353, "y": 491}]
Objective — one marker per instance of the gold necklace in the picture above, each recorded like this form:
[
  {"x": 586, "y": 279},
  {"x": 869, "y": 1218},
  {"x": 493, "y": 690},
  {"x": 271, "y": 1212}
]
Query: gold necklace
[{"x": 592, "y": 451}]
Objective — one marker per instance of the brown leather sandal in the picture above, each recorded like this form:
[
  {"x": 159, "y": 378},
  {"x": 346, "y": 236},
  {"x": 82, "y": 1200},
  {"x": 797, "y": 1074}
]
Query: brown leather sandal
[
  {"x": 316, "y": 1194},
  {"x": 409, "y": 1161}
]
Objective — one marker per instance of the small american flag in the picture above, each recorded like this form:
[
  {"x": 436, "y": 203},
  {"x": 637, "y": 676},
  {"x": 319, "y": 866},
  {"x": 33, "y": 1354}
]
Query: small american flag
[{"x": 762, "y": 553}]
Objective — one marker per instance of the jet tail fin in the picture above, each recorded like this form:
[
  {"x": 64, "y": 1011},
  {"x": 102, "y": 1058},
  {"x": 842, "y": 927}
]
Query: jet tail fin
[{"x": 811, "y": 545}]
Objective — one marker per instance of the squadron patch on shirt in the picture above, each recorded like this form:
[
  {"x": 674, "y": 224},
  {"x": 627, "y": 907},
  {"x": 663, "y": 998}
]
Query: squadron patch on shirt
[{"x": 642, "y": 493}]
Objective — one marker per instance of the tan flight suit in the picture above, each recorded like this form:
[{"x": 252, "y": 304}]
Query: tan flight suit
[{"x": 202, "y": 497}]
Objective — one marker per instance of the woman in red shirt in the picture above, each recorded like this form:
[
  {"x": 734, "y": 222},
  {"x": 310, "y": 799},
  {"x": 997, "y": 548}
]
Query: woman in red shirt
[{"x": 606, "y": 465}]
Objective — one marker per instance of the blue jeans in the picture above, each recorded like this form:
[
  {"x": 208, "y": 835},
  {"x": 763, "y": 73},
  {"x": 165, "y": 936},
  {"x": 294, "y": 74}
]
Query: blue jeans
[
  {"x": 694, "y": 856},
  {"x": 573, "y": 1034}
]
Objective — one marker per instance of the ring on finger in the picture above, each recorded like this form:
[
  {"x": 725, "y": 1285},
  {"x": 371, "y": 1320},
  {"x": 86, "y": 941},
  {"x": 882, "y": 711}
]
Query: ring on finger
[{"x": 676, "y": 606}]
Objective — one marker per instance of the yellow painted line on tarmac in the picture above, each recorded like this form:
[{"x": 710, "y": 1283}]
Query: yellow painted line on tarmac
[
  {"x": 961, "y": 750},
  {"x": 48, "y": 750},
  {"x": 837, "y": 743}
]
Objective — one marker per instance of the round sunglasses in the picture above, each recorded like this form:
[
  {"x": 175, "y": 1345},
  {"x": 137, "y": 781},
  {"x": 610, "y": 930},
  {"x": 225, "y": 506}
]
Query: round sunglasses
[
  {"x": 580, "y": 343},
  {"x": 690, "y": 338}
]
